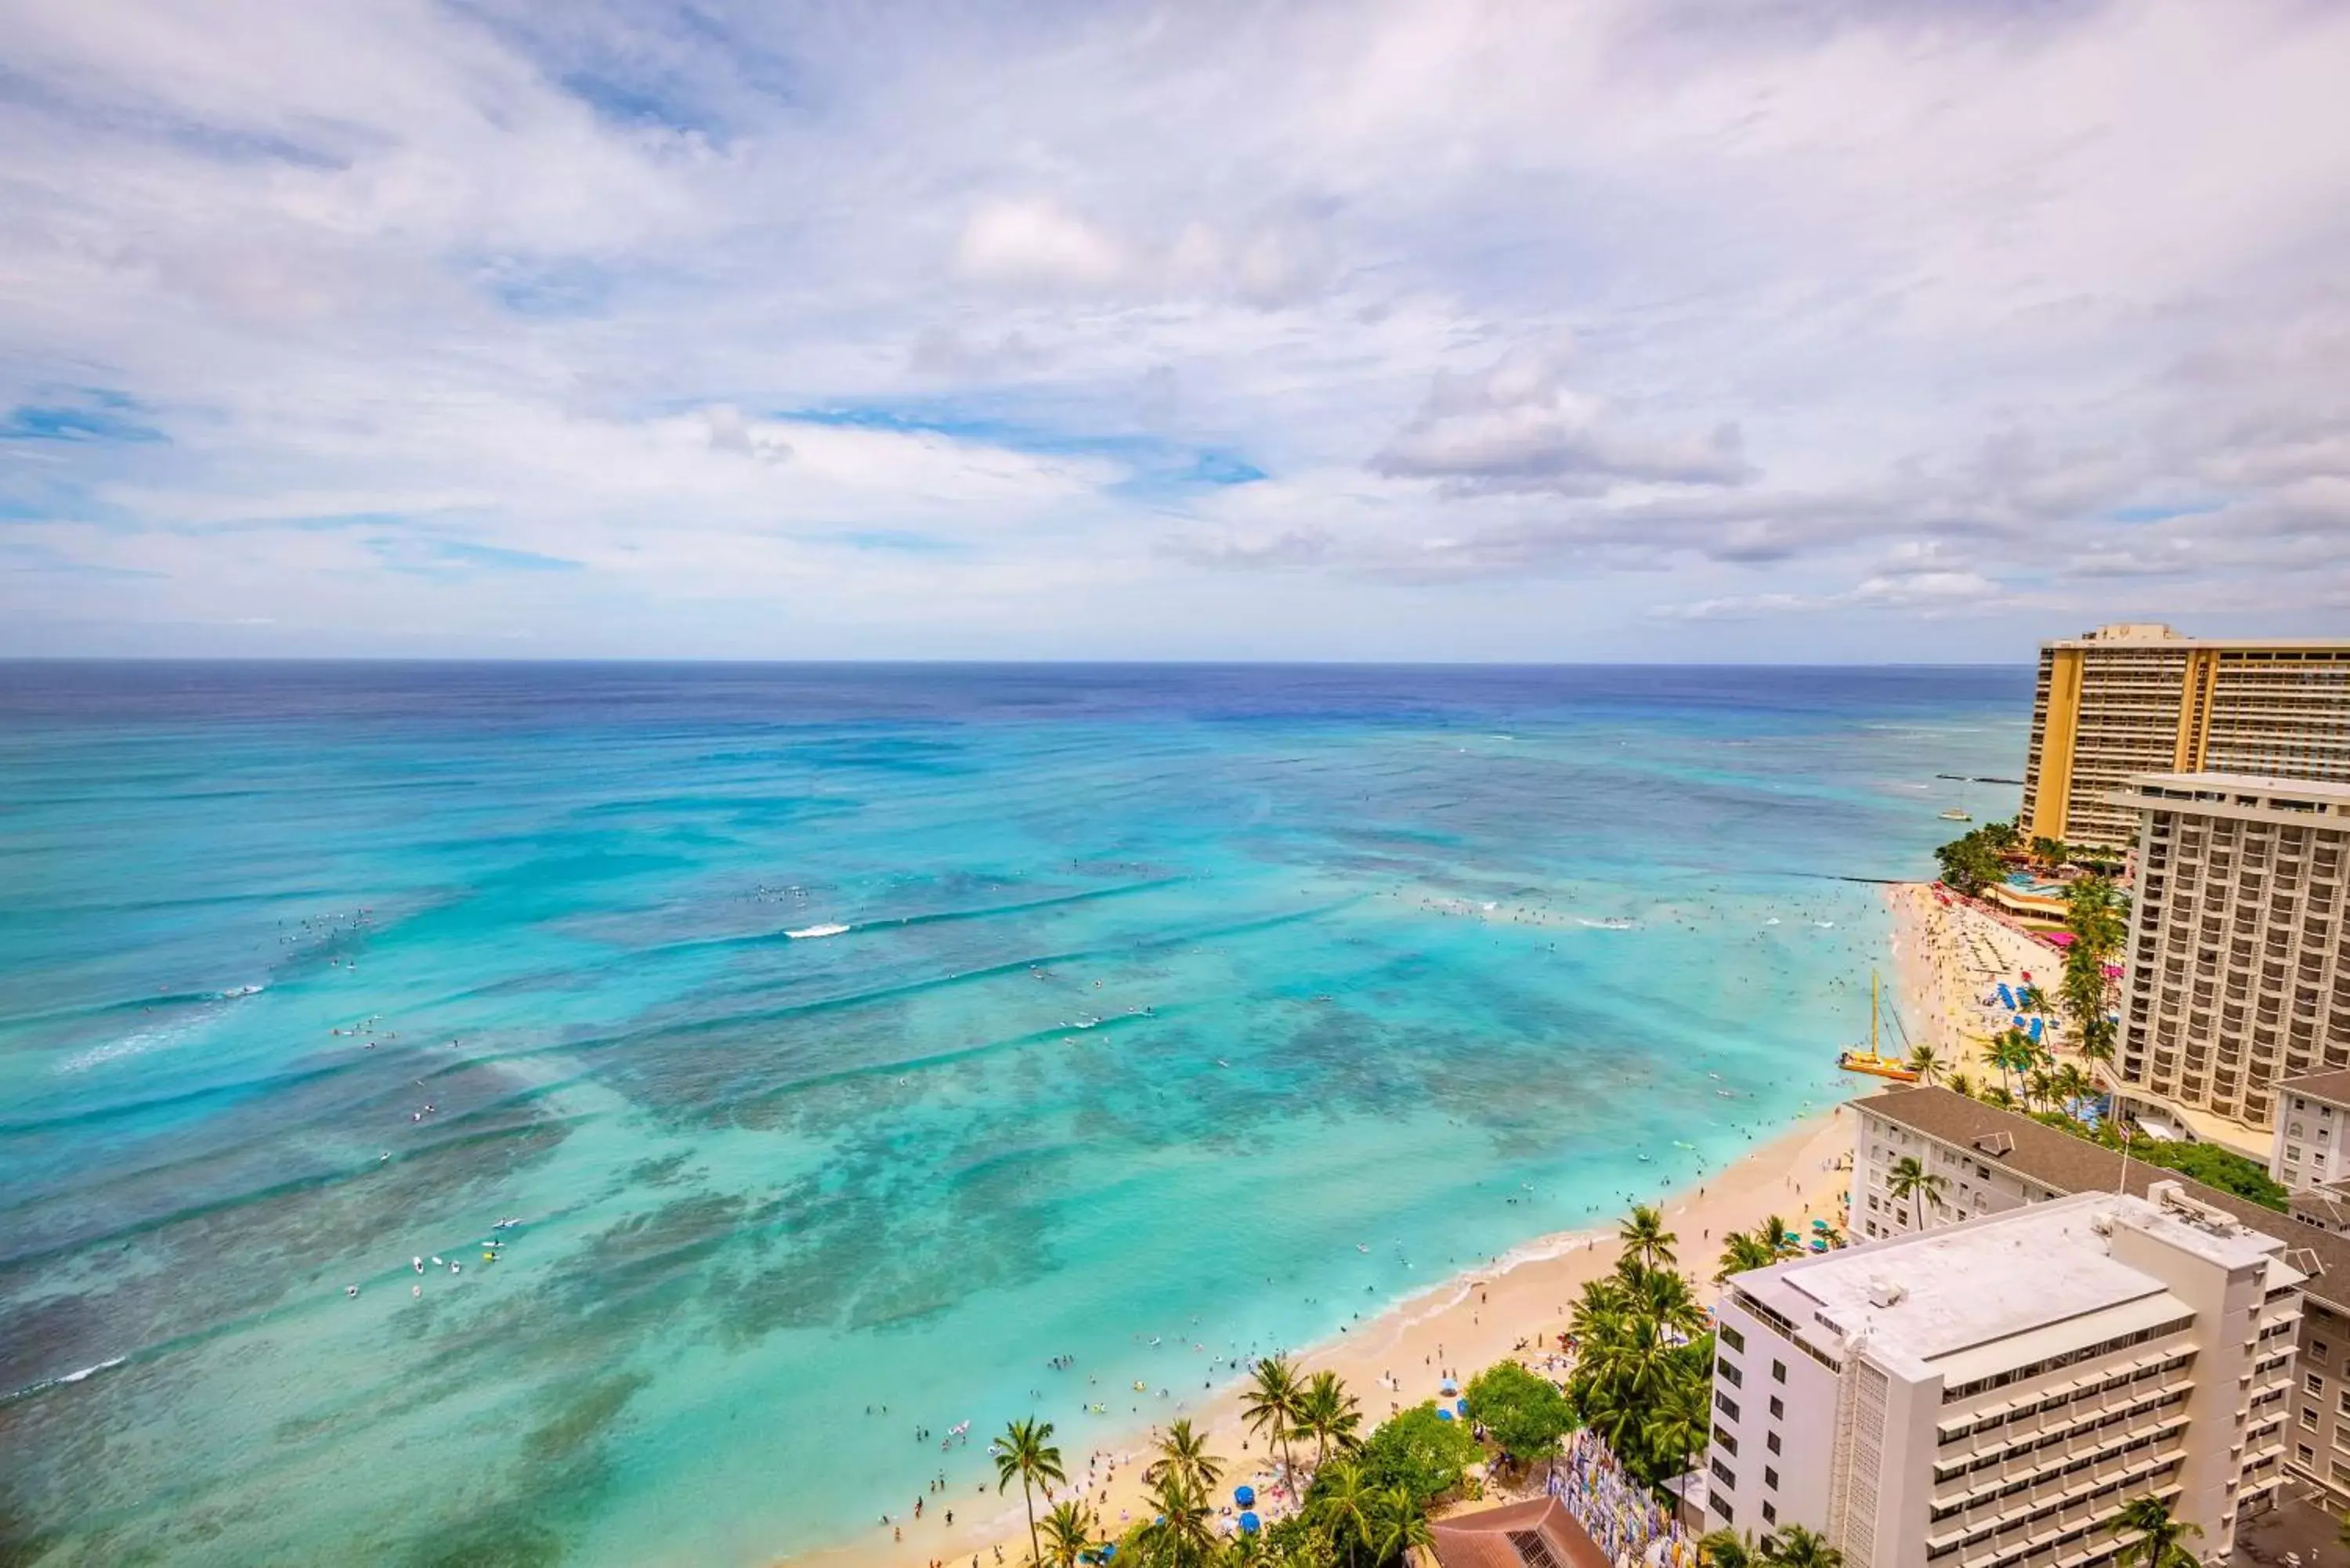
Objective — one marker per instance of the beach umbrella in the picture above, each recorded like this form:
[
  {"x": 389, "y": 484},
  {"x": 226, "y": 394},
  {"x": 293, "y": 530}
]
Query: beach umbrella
[
  {"x": 1443, "y": 1413},
  {"x": 1244, "y": 1495},
  {"x": 1250, "y": 1524},
  {"x": 1450, "y": 1387},
  {"x": 1461, "y": 1405}
]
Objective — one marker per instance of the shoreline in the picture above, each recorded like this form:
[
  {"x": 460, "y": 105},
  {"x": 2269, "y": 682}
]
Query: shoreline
[
  {"x": 1504, "y": 1309},
  {"x": 1508, "y": 1307}
]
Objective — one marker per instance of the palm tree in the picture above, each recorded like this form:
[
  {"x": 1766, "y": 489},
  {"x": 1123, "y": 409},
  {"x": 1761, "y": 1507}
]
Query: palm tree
[
  {"x": 1181, "y": 1535},
  {"x": 1743, "y": 1253},
  {"x": 1959, "y": 1083},
  {"x": 1927, "y": 1063},
  {"x": 2160, "y": 1538},
  {"x": 1346, "y": 1504},
  {"x": 1782, "y": 1243},
  {"x": 2031, "y": 999},
  {"x": 1726, "y": 1549},
  {"x": 1330, "y": 1412},
  {"x": 1068, "y": 1534},
  {"x": 2039, "y": 1088},
  {"x": 1996, "y": 1096},
  {"x": 2069, "y": 1086},
  {"x": 1793, "y": 1546},
  {"x": 1398, "y": 1525},
  {"x": 1644, "y": 1237},
  {"x": 1184, "y": 1452},
  {"x": 1909, "y": 1180},
  {"x": 1272, "y": 1402},
  {"x": 1664, "y": 1296},
  {"x": 1680, "y": 1422},
  {"x": 1025, "y": 1452}
]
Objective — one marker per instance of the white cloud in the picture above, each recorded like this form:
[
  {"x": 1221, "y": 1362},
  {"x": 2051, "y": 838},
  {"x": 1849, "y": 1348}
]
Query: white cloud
[{"x": 955, "y": 337}]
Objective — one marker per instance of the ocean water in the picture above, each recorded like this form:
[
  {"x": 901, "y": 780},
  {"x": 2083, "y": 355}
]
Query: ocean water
[{"x": 850, "y": 1037}]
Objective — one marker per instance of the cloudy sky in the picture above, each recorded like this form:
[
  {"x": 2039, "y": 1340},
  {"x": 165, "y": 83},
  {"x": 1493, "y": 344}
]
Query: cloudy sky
[{"x": 1430, "y": 329}]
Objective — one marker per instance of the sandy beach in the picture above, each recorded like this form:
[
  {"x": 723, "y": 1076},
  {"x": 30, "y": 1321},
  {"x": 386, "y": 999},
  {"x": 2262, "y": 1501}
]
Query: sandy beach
[
  {"x": 1947, "y": 957},
  {"x": 1516, "y": 1305}
]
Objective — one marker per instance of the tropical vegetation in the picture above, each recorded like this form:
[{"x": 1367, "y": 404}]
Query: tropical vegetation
[
  {"x": 1643, "y": 1379},
  {"x": 2159, "y": 1540},
  {"x": 1791, "y": 1546},
  {"x": 1025, "y": 1453}
]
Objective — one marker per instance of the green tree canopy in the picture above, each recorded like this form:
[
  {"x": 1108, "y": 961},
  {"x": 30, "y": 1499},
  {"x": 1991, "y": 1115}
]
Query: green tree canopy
[
  {"x": 1522, "y": 1411},
  {"x": 1417, "y": 1450}
]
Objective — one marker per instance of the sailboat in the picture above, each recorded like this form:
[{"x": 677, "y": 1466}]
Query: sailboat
[{"x": 1869, "y": 1061}]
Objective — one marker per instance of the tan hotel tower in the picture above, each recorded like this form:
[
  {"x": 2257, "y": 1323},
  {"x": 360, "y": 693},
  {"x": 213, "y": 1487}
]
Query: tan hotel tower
[{"x": 2136, "y": 697}]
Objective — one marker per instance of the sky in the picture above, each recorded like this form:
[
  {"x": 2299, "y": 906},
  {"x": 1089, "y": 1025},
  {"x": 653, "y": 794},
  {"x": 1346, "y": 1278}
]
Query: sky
[{"x": 1391, "y": 329}]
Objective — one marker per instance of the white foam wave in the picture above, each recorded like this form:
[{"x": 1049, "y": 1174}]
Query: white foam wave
[
  {"x": 45, "y": 1384},
  {"x": 809, "y": 933}
]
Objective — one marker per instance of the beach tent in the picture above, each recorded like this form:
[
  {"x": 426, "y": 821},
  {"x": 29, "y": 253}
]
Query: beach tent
[
  {"x": 1245, "y": 1496},
  {"x": 1450, "y": 1387},
  {"x": 1250, "y": 1524}
]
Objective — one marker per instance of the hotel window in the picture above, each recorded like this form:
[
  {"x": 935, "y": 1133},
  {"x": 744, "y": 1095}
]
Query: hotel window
[
  {"x": 2341, "y": 1472},
  {"x": 2317, "y": 1350},
  {"x": 1770, "y": 1513},
  {"x": 2345, "y": 1402},
  {"x": 1770, "y": 1441},
  {"x": 1737, "y": 1379},
  {"x": 1778, "y": 1411},
  {"x": 2314, "y": 1383},
  {"x": 1728, "y": 1406},
  {"x": 1737, "y": 1341},
  {"x": 1770, "y": 1478},
  {"x": 2306, "y": 1455},
  {"x": 1778, "y": 1371},
  {"x": 1721, "y": 1473}
]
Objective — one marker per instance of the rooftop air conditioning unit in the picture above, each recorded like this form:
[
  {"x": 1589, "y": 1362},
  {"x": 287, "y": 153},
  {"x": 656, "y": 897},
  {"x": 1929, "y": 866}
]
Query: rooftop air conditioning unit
[{"x": 1885, "y": 1292}]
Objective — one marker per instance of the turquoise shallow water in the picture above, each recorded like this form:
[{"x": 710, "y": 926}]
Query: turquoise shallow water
[{"x": 1158, "y": 993}]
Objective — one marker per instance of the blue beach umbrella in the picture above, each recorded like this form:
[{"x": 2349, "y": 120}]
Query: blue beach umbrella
[
  {"x": 1461, "y": 1405},
  {"x": 1250, "y": 1524},
  {"x": 1443, "y": 1413},
  {"x": 1244, "y": 1495}
]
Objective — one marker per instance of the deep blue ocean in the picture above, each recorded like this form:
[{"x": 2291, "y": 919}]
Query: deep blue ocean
[{"x": 844, "y": 1037}]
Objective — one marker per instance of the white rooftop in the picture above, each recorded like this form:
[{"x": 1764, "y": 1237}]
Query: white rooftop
[{"x": 1941, "y": 1300}]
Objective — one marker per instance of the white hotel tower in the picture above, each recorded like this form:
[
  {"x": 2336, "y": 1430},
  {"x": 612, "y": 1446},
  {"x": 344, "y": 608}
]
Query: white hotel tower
[{"x": 1988, "y": 1394}]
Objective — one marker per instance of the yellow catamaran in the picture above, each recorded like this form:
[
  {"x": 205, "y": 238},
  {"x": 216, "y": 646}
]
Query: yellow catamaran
[{"x": 1869, "y": 1061}]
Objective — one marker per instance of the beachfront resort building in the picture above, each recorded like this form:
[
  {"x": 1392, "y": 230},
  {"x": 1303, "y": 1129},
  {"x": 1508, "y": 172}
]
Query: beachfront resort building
[
  {"x": 2140, "y": 698},
  {"x": 1990, "y": 1393},
  {"x": 1995, "y": 1162},
  {"x": 2239, "y": 952},
  {"x": 2311, "y": 1147}
]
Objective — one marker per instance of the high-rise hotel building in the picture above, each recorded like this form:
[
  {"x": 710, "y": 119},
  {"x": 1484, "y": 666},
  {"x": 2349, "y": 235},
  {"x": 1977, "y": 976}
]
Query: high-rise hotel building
[
  {"x": 2139, "y": 698},
  {"x": 2239, "y": 948},
  {"x": 1992, "y": 1393}
]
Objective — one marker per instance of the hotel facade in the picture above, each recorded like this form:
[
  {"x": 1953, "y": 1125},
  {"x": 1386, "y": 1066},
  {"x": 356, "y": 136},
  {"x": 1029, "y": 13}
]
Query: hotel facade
[
  {"x": 2238, "y": 960},
  {"x": 2135, "y": 698},
  {"x": 1994, "y": 1162},
  {"x": 1990, "y": 1393}
]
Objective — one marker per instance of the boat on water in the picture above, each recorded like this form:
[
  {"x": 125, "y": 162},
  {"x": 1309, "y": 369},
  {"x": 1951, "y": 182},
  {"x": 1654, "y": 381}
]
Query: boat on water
[
  {"x": 1871, "y": 1061},
  {"x": 1955, "y": 814}
]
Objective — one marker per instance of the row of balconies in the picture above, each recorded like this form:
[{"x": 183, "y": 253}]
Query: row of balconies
[
  {"x": 2164, "y": 1361},
  {"x": 2012, "y": 1538},
  {"x": 2068, "y": 1485},
  {"x": 2020, "y": 1436},
  {"x": 1958, "y": 1482}
]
